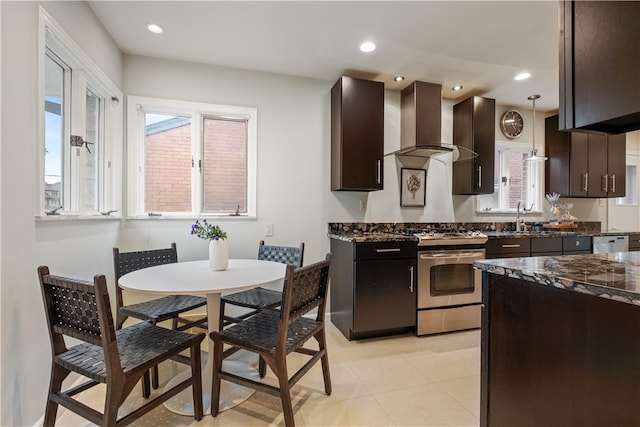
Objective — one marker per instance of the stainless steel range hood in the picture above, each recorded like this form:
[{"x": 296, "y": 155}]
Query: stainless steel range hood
[{"x": 421, "y": 123}]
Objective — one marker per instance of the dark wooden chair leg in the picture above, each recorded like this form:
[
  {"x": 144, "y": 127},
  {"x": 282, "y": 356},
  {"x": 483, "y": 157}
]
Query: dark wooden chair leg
[
  {"x": 112, "y": 402},
  {"x": 146, "y": 385},
  {"x": 285, "y": 393},
  {"x": 154, "y": 377},
  {"x": 262, "y": 367},
  {"x": 324, "y": 360},
  {"x": 196, "y": 370},
  {"x": 58, "y": 374},
  {"x": 221, "y": 320},
  {"x": 215, "y": 383}
]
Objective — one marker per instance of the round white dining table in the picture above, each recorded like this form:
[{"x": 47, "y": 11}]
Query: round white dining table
[{"x": 196, "y": 278}]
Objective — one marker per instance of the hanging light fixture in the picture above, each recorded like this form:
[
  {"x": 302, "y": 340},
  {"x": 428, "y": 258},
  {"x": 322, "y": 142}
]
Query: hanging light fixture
[{"x": 534, "y": 151}]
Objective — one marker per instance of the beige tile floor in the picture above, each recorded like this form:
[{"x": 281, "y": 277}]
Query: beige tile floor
[{"x": 402, "y": 380}]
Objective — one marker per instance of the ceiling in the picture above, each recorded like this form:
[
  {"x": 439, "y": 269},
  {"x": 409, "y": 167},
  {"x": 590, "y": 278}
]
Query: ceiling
[{"x": 480, "y": 45}]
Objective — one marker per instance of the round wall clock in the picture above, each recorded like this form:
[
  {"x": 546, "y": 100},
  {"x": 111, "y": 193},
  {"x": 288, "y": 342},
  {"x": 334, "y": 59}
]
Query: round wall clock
[{"x": 511, "y": 124}]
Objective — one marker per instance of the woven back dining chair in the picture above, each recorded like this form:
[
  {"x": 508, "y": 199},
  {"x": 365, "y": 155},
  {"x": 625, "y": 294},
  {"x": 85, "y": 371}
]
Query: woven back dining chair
[
  {"x": 157, "y": 310},
  {"x": 118, "y": 358},
  {"x": 273, "y": 334},
  {"x": 259, "y": 298}
]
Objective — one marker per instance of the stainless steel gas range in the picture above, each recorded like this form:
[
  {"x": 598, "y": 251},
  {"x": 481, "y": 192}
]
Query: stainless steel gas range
[{"x": 449, "y": 288}]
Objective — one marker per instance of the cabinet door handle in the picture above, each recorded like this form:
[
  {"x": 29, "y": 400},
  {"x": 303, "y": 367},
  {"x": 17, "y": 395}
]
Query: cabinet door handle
[
  {"x": 605, "y": 182},
  {"x": 411, "y": 279},
  {"x": 388, "y": 250},
  {"x": 585, "y": 182},
  {"x": 613, "y": 183},
  {"x": 378, "y": 172},
  {"x": 516, "y": 245},
  {"x": 479, "y": 176}
]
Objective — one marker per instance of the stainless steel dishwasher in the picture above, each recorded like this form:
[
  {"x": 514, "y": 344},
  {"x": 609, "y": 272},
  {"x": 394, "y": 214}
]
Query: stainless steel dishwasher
[{"x": 606, "y": 244}]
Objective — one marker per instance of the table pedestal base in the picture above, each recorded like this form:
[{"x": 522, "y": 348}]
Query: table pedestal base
[{"x": 230, "y": 394}]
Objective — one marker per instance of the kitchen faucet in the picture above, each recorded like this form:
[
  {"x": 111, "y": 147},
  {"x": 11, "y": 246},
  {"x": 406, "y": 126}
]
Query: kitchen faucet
[{"x": 520, "y": 225}]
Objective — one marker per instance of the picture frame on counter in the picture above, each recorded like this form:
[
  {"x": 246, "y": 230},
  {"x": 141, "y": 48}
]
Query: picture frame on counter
[{"x": 412, "y": 187}]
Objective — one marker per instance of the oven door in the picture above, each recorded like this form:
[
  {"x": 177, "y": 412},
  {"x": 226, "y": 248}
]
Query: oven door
[{"x": 447, "y": 278}]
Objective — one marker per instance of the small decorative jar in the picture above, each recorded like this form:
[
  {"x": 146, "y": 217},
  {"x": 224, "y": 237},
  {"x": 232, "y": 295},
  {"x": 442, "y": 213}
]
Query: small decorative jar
[{"x": 218, "y": 254}]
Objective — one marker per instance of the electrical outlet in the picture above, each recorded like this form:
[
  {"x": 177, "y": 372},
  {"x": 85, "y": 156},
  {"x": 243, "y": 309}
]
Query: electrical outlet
[
  {"x": 268, "y": 229},
  {"x": 603, "y": 203},
  {"x": 363, "y": 204}
]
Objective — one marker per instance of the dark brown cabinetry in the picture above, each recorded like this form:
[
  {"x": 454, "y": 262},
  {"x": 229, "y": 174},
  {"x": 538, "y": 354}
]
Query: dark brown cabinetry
[
  {"x": 547, "y": 357},
  {"x": 600, "y": 65},
  {"x": 474, "y": 130},
  {"x": 357, "y": 135},
  {"x": 510, "y": 247},
  {"x": 546, "y": 246},
  {"x": 584, "y": 165},
  {"x": 373, "y": 287},
  {"x": 516, "y": 247},
  {"x": 576, "y": 245}
]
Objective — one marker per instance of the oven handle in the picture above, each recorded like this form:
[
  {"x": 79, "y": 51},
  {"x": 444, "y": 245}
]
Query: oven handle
[{"x": 439, "y": 255}]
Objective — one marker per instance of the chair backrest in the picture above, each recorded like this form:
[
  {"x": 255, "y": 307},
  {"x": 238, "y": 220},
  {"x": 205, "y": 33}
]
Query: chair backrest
[
  {"x": 126, "y": 262},
  {"x": 284, "y": 254},
  {"x": 305, "y": 289},
  {"x": 81, "y": 310}
]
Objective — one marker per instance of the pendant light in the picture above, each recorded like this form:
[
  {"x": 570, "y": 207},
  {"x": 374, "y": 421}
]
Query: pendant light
[{"x": 534, "y": 151}]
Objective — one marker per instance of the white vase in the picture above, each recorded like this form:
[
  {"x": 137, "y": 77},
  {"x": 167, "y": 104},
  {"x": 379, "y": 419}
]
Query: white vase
[{"x": 218, "y": 254}]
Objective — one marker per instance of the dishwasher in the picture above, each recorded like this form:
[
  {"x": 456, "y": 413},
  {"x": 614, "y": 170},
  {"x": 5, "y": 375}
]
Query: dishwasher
[{"x": 606, "y": 244}]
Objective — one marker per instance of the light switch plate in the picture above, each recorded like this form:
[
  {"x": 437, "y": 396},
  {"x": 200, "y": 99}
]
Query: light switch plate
[
  {"x": 363, "y": 204},
  {"x": 268, "y": 229}
]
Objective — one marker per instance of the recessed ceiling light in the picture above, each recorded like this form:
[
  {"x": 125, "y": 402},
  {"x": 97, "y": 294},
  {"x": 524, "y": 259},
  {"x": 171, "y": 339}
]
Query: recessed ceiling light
[
  {"x": 155, "y": 28},
  {"x": 456, "y": 88},
  {"x": 368, "y": 47},
  {"x": 398, "y": 78},
  {"x": 522, "y": 76}
]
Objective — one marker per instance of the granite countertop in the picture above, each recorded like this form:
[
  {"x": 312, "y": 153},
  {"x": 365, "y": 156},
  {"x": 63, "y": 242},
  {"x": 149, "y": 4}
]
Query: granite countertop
[
  {"x": 372, "y": 237},
  {"x": 381, "y": 236},
  {"x": 543, "y": 234},
  {"x": 614, "y": 276}
]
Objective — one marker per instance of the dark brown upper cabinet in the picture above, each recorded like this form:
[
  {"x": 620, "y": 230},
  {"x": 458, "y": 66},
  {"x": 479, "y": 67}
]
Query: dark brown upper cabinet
[
  {"x": 600, "y": 66},
  {"x": 357, "y": 135},
  {"x": 584, "y": 165},
  {"x": 474, "y": 129}
]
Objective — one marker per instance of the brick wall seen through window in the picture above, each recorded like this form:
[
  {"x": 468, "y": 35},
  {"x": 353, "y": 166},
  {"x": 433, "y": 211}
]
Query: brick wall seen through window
[{"x": 168, "y": 167}]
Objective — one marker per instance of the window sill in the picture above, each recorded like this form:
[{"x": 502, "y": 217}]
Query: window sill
[
  {"x": 190, "y": 217},
  {"x": 77, "y": 217},
  {"x": 508, "y": 212}
]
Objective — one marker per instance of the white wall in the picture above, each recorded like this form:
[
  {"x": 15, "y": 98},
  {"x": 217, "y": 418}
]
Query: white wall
[{"x": 74, "y": 248}]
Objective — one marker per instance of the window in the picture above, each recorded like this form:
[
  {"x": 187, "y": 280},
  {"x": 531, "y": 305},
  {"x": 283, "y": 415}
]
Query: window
[
  {"x": 631, "y": 187},
  {"x": 514, "y": 180},
  {"x": 190, "y": 159},
  {"x": 81, "y": 119}
]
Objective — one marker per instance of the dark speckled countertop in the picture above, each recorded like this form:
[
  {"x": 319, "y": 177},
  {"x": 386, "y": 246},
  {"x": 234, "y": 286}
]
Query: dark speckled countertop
[
  {"x": 614, "y": 276},
  {"x": 372, "y": 237}
]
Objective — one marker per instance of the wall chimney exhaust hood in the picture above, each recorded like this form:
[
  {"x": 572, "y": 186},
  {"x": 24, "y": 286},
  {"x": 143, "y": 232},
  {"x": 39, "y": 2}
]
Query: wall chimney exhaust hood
[{"x": 421, "y": 123}]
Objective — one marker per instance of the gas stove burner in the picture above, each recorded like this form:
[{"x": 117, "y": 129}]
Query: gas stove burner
[{"x": 429, "y": 237}]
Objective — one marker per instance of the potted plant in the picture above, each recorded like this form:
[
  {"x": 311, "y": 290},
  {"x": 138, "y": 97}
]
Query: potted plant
[{"x": 218, "y": 245}]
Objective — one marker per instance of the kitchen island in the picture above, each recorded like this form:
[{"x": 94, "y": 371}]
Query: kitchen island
[{"x": 561, "y": 341}]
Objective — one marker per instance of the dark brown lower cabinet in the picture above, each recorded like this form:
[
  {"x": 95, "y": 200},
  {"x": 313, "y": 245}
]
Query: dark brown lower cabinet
[
  {"x": 556, "y": 358},
  {"x": 509, "y": 247},
  {"x": 373, "y": 287}
]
